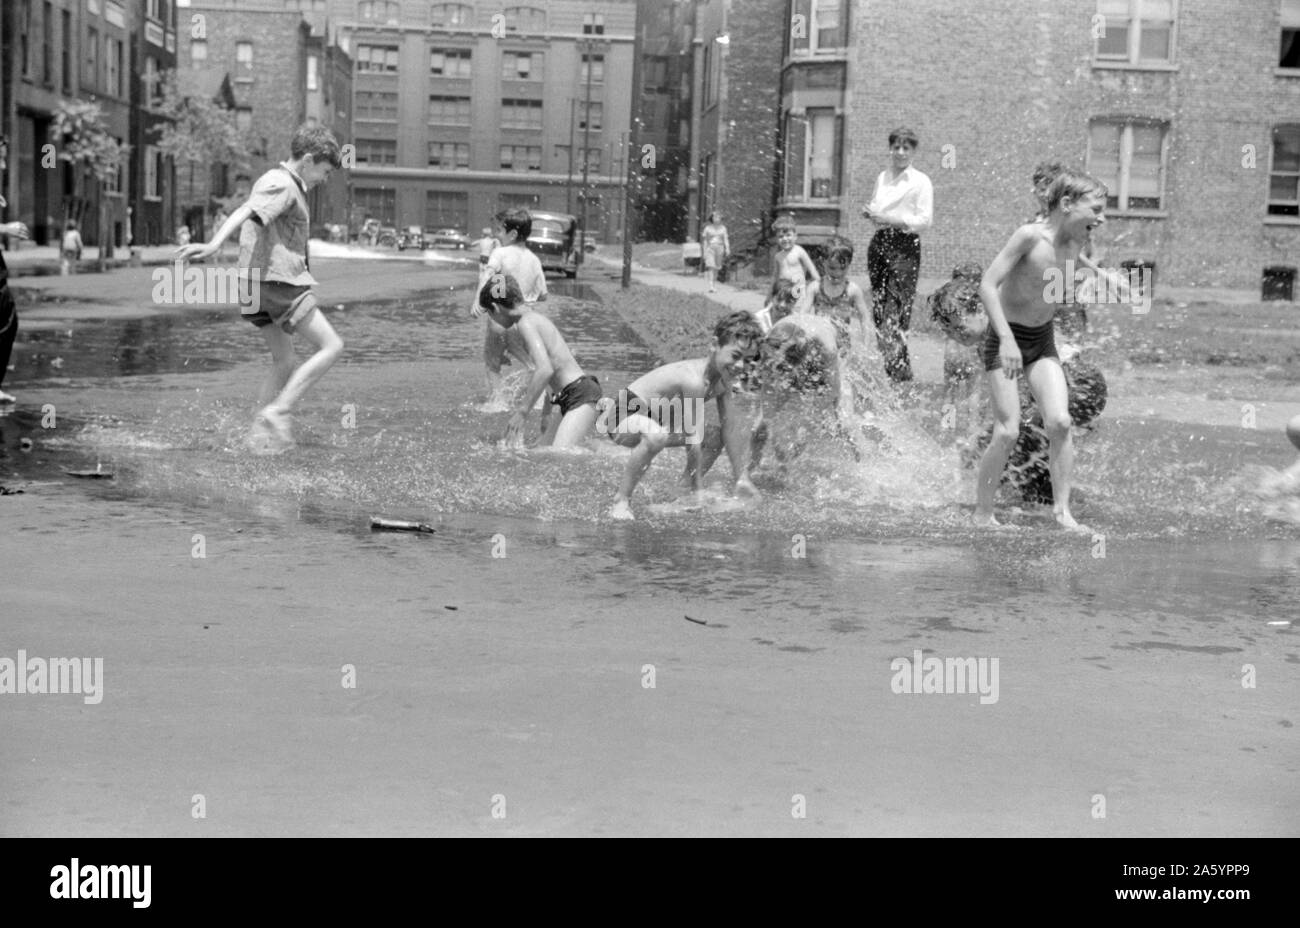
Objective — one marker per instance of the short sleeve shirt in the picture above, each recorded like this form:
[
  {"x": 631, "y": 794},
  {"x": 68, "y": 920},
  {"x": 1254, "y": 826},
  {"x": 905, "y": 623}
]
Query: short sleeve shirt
[{"x": 274, "y": 241}]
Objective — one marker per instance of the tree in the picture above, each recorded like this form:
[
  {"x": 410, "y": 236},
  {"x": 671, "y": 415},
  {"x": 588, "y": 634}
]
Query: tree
[
  {"x": 81, "y": 138},
  {"x": 200, "y": 131}
]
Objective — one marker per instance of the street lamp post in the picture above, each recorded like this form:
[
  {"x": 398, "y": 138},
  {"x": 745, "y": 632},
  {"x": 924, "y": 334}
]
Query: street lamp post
[{"x": 586, "y": 151}]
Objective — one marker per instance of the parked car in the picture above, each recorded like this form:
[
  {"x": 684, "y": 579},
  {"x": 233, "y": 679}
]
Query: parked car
[
  {"x": 589, "y": 242},
  {"x": 412, "y": 237},
  {"x": 387, "y": 236},
  {"x": 554, "y": 240},
  {"x": 447, "y": 238}
]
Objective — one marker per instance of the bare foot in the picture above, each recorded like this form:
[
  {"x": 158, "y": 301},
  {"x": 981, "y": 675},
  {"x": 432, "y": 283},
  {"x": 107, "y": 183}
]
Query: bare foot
[
  {"x": 1066, "y": 521},
  {"x": 621, "y": 511},
  {"x": 745, "y": 487},
  {"x": 270, "y": 433},
  {"x": 987, "y": 520}
]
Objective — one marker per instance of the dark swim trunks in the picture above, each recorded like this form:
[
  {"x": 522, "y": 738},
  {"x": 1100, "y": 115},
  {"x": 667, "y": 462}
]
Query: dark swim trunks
[
  {"x": 1035, "y": 343},
  {"x": 586, "y": 389}
]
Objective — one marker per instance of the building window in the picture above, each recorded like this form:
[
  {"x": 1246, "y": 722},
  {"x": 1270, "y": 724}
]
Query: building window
[
  {"x": 593, "y": 159},
  {"x": 446, "y": 209},
  {"x": 377, "y": 151},
  {"x": 67, "y": 52},
  {"x": 91, "y": 77},
  {"x": 595, "y": 110},
  {"x": 382, "y": 11},
  {"x": 814, "y": 142},
  {"x": 449, "y": 111},
  {"x": 313, "y": 72},
  {"x": 1284, "y": 172},
  {"x": 114, "y": 182},
  {"x": 521, "y": 114},
  {"x": 47, "y": 43},
  {"x": 244, "y": 55},
  {"x": 1290, "y": 56},
  {"x": 818, "y": 26},
  {"x": 376, "y": 203},
  {"x": 593, "y": 24},
  {"x": 377, "y": 58},
  {"x": 521, "y": 66},
  {"x": 24, "y": 29},
  {"x": 452, "y": 15},
  {"x": 113, "y": 59},
  {"x": 152, "y": 173},
  {"x": 450, "y": 63},
  {"x": 518, "y": 201},
  {"x": 596, "y": 65},
  {"x": 152, "y": 90},
  {"x": 526, "y": 20},
  {"x": 712, "y": 72},
  {"x": 199, "y": 52},
  {"x": 1128, "y": 157},
  {"x": 375, "y": 105},
  {"x": 521, "y": 157},
  {"x": 244, "y": 118},
  {"x": 449, "y": 156},
  {"x": 1135, "y": 31}
]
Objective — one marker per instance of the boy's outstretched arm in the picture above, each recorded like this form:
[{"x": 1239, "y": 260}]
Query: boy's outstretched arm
[
  {"x": 1017, "y": 247},
  {"x": 204, "y": 250},
  {"x": 542, "y": 372}
]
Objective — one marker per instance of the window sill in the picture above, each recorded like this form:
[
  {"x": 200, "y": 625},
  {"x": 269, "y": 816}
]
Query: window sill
[
  {"x": 1137, "y": 214},
  {"x": 1101, "y": 65},
  {"x": 149, "y": 199},
  {"x": 1282, "y": 221},
  {"x": 819, "y": 202},
  {"x": 1286, "y": 72}
]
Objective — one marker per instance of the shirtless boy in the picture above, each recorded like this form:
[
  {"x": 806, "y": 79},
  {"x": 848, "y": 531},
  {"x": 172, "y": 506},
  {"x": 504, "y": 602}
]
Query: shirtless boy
[
  {"x": 575, "y": 393},
  {"x": 790, "y": 261},
  {"x": 641, "y": 417},
  {"x": 1021, "y": 338}
]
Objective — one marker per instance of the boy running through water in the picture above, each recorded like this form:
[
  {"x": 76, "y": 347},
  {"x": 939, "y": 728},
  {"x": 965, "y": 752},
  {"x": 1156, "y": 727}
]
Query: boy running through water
[
  {"x": 512, "y": 258},
  {"x": 636, "y": 417},
  {"x": 575, "y": 393},
  {"x": 273, "y": 259},
  {"x": 1021, "y": 337}
]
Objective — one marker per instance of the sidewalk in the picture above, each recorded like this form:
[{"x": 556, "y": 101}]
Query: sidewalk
[{"x": 40, "y": 260}]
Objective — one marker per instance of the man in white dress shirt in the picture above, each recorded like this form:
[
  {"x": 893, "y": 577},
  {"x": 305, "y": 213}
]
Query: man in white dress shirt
[{"x": 902, "y": 206}]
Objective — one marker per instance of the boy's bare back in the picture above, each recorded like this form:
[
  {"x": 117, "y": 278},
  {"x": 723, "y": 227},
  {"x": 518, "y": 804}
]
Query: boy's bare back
[
  {"x": 686, "y": 379},
  {"x": 546, "y": 344}
]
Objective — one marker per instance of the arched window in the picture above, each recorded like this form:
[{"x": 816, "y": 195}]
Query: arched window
[
  {"x": 379, "y": 11},
  {"x": 526, "y": 20},
  {"x": 452, "y": 15}
]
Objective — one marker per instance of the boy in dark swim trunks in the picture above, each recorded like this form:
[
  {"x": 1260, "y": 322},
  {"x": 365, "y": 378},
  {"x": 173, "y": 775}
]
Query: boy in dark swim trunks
[
  {"x": 273, "y": 259},
  {"x": 641, "y": 417},
  {"x": 1020, "y": 337},
  {"x": 575, "y": 393}
]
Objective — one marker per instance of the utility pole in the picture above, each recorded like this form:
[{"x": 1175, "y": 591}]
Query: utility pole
[
  {"x": 568, "y": 187},
  {"x": 632, "y": 162},
  {"x": 586, "y": 158}
]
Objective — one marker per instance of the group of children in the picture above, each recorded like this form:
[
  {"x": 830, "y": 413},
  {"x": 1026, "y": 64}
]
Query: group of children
[{"x": 800, "y": 341}]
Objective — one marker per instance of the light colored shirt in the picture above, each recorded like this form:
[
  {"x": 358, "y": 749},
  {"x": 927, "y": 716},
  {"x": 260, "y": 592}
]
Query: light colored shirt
[
  {"x": 907, "y": 198},
  {"x": 275, "y": 240},
  {"x": 521, "y": 264}
]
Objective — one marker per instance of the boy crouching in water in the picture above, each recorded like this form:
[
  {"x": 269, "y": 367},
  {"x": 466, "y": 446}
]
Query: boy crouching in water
[
  {"x": 1021, "y": 338},
  {"x": 575, "y": 394},
  {"x": 641, "y": 416}
]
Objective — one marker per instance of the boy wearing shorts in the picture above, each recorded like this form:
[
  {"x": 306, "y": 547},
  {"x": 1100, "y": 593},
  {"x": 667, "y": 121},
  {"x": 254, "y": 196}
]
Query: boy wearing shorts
[{"x": 273, "y": 260}]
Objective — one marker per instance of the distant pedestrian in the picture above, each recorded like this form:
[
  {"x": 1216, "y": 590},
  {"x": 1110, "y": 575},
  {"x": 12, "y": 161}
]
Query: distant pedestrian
[
  {"x": 182, "y": 235},
  {"x": 902, "y": 207},
  {"x": 70, "y": 250},
  {"x": 8, "y": 310},
  {"x": 218, "y": 221},
  {"x": 715, "y": 246}
]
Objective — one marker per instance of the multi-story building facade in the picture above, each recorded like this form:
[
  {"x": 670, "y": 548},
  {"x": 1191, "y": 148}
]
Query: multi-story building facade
[
  {"x": 152, "y": 205},
  {"x": 464, "y": 108},
  {"x": 57, "y": 50}
]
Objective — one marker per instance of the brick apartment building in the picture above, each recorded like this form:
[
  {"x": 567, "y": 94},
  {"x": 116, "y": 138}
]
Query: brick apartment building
[
  {"x": 279, "y": 63},
  {"x": 463, "y": 108},
  {"x": 152, "y": 205},
  {"x": 58, "y": 50},
  {"x": 1189, "y": 111}
]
